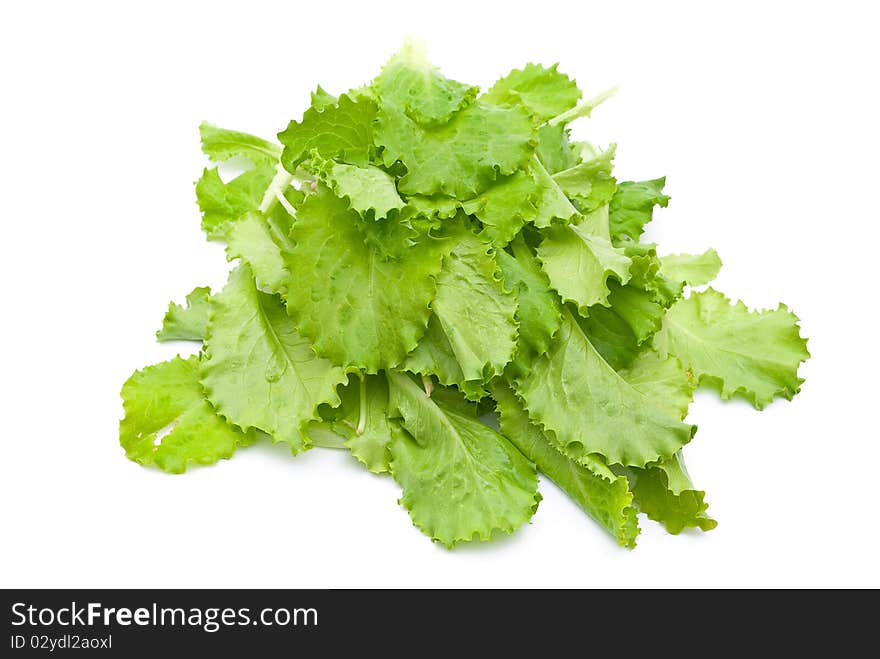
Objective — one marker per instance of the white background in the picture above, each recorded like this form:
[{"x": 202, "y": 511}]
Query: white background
[{"x": 763, "y": 116}]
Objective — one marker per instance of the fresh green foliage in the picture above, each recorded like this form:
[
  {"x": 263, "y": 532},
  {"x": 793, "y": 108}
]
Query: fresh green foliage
[
  {"x": 223, "y": 203},
  {"x": 361, "y": 292},
  {"x": 169, "y": 422},
  {"x": 258, "y": 371},
  {"x": 665, "y": 494},
  {"x": 604, "y": 495},
  {"x": 591, "y": 409},
  {"x": 579, "y": 259},
  {"x": 459, "y": 477},
  {"x": 220, "y": 145},
  {"x": 543, "y": 92},
  {"x": 754, "y": 355},
  {"x": 632, "y": 207},
  {"x": 371, "y": 191},
  {"x": 692, "y": 269},
  {"x": 187, "y": 323},
  {"x": 460, "y": 158},
  {"x": 451, "y": 288},
  {"x": 410, "y": 83}
]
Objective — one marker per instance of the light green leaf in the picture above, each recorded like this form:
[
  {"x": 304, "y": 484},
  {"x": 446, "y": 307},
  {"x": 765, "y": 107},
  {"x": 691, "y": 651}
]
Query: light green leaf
[
  {"x": 554, "y": 150},
  {"x": 259, "y": 372},
  {"x": 578, "y": 180},
  {"x": 361, "y": 296},
  {"x": 552, "y": 202},
  {"x": 638, "y": 310},
  {"x": 370, "y": 191},
  {"x": 635, "y": 311},
  {"x": 187, "y": 323},
  {"x": 475, "y": 312},
  {"x": 632, "y": 207},
  {"x": 361, "y": 420},
  {"x": 431, "y": 206},
  {"x": 590, "y": 409},
  {"x": 321, "y": 98},
  {"x": 260, "y": 242},
  {"x": 579, "y": 259},
  {"x": 589, "y": 182},
  {"x": 460, "y": 478},
  {"x": 223, "y": 203},
  {"x": 169, "y": 423},
  {"x": 693, "y": 269},
  {"x": 434, "y": 356},
  {"x": 603, "y": 495},
  {"x": 663, "y": 380},
  {"x": 646, "y": 274},
  {"x": 505, "y": 207},
  {"x": 460, "y": 158},
  {"x": 665, "y": 494},
  {"x": 543, "y": 92},
  {"x": 344, "y": 131},
  {"x": 601, "y": 193},
  {"x": 582, "y": 109},
  {"x": 538, "y": 308},
  {"x": 751, "y": 354},
  {"x": 409, "y": 82},
  {"x": 220, "y": 144},
  {"x": 371, "y": 445},
  {"x": 611, "y": 335}
]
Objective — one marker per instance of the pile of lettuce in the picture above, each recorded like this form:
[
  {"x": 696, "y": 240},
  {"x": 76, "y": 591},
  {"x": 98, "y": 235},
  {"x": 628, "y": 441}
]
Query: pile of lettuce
[{"x": 443, "y": 283}]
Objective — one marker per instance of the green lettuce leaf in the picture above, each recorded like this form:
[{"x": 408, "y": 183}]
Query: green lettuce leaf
[
  {"x": 433, "y": 356},
  {"x": 220, "y": 144},
  {"x": 539, "y": 312},
  {"x": 460, "y": 478},
  {"x": 370, "y": 442},
  {"x": 582, "y": 109},
  {"x": 261, "y": 242},
  {"x": 344, "y": 131},
  {"x": 554, "y": 150},
  {"x": 664, "y": 492},
  {"x": 168, "y": 422},
  {"x": 543, "y": 92},
  {"x": 369, "y": 190},
  {"x": 578, "y": 180},
  {"x": 434, "y": 206},
  {"x": 580, "y": 258},
  {"x": 611, "y": 336},
  {"x": 409, "y": 82},
  {"x": 693, "y": 269},
  {"x": 259, "y": 372},
  {"x": 635, "y": 311},
  {"x": 505, "y": 207},
  {"x": 362, "y": 306},
  {"x": 646, "y": 274},
  {"x": 589, "y": 182},
  {"x": 361, "y": 421},
  {"x": 632, "y": 207},
  {"x": 460, "y": 158},
  {"x": 603, "y": 495},
  {"x": 637, "y": 308},
  {"x": 574, "y": 393},
  {"x": 751, "y": 354},
  {"x": 475, "y": 312},
  {"x": 187, "y": 323},
  {"x": 321, "y": 98},
  {"x": 552, "y": 202},
  {"x": 223, "y": 203},
  {"x": 666, "y": 383}
]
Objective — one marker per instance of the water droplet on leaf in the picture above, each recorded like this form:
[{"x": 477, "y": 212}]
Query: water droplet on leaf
[{"x": 276, "y": 367}]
